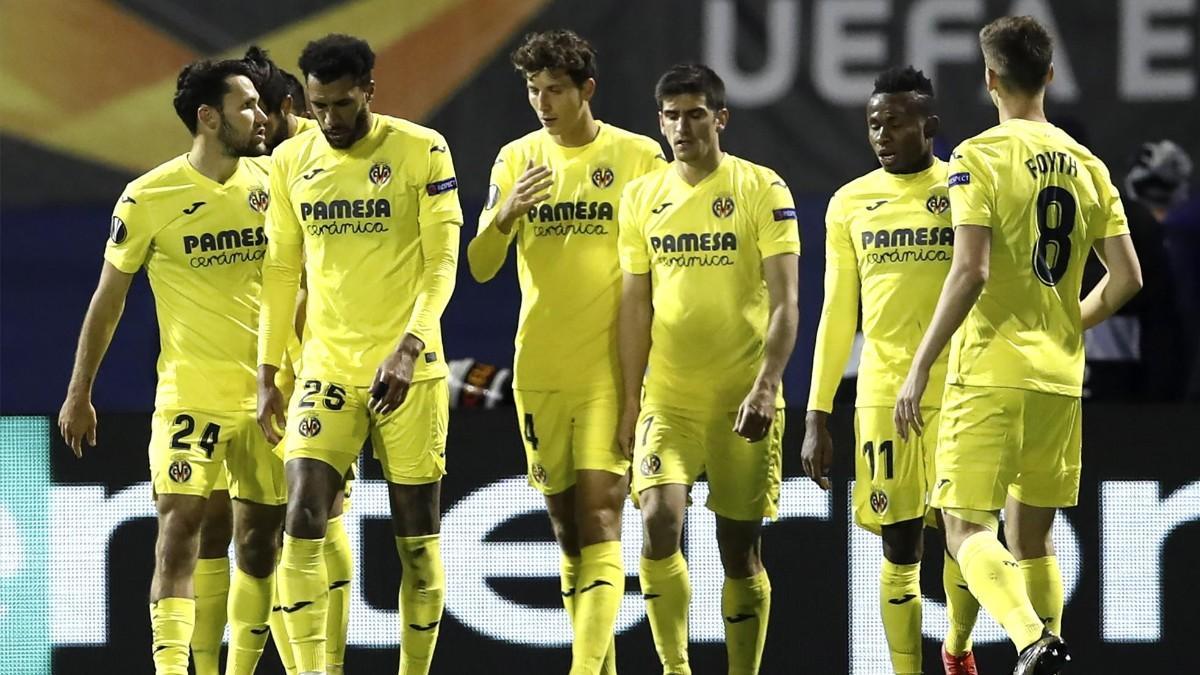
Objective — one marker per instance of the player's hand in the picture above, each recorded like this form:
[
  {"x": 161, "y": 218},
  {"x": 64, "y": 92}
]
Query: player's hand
[
  {"x": 757, "y": 412},
  {"x": 394, "y": 376},
  {"x": 816, "y": 453},
  {"x": 77, "y": 422},
  {"x": 272, "y": 410},
  {"x": 531, "y": 188},
  {"x": 908, "y": 403},
  {"x": 627, "y": 427}
]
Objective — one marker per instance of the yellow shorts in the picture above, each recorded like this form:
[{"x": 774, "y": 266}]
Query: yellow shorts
[
  {"x": 892, "y": 477},
  {"x": 998, "y": 441},
  {"x": 190, "y": 450},
  {"x": 675, "y": 446},
  {"x": 565, "y": 432},
  {"x": 330, "y": 422}
]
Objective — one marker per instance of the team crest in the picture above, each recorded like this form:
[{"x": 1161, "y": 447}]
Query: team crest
[
  {"x": 938, "y": 202},
  {"x": 258, "y": 200},
  {"x": 117, "y": 231},
  {"x": 180, "y": 471},
  {"x": 879, "y": 501},
  {"x": 380, "y": 173},
  {"x": 651, "y": 465},
  {"x": 602, "y": 177},
  {"x": 723, "y": 206},
  {"x": 538, "y": 473},
  {"x": 310, "y": 426}
]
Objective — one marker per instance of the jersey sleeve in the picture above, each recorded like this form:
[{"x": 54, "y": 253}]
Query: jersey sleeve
[
  {"x": 972, "y": 187},
  {"x": 489, "y": 247},
  {"x": 631, "y": 244},
  {"x": 438, "y": 200},
  {"x": 130, "y": 233},
  {"x": 839, "y": 311},
  {"x": 778, "y": 230},
  {"x": 281, "y": 271},
  {"x": 1110, "y": 220}
]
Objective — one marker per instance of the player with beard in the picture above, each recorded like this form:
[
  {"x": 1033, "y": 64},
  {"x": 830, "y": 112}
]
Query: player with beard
[
  {"x": 888, "y": 241},
  {"x": 196, "y": 225},
  {"x": 283, "y": 100},
  {"x": 369, "y": 207}
]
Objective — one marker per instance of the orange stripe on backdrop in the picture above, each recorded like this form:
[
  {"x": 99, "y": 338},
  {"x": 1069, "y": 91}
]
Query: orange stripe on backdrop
[
  {"x": 67, "y": 57},
  {"x": 416, "y": 74}
]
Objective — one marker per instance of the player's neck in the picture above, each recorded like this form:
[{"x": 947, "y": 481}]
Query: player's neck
[
  {"x": 579, "y": 134},
  {"x": 1031, "y": 108},
  {"x": 292, "y": 125},
  {"x": 694, "y": 172},
  {"x": 211, "y": 161}
]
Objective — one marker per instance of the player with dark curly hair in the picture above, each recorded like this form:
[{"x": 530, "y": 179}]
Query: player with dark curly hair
[
  {"x": 888, "y": 244},
  {"x": 555, "y": 192},
  {"x": 380, "y": 261}
]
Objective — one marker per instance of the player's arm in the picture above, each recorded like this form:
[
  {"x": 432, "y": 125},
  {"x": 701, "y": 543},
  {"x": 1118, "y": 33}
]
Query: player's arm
[
  {"x": 1123, "y": 277},
  {"x": 439, "y": 218},
  {"x": 757, "y": 411},
  {"x": 281, "y": 282},
  {"x": 968, "y": 274},
  {"x": 77, "y": 417},
  {"x": 633, "y": 350},
  {"x": 1121, "y": 282},
  {"x": 835, "y": 339},
  {"x": 509, "y": 198},
  {"x": 634, "y": 314}
]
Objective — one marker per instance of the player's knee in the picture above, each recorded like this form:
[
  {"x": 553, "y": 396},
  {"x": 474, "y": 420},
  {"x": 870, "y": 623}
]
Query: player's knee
[
  {"x": 306, "y": 519},
  {"x": 741, "y": 562},
  {"x": 1027, "y": 543},
  {"x": 178, "y": 542},
  {"x": 598, "y": 524},
  {"x": 903, "y": 543},
  {"x": 256, "y": 549},
  {"x": 215, "y": 536},
  {"x": 663, "y": 528}
]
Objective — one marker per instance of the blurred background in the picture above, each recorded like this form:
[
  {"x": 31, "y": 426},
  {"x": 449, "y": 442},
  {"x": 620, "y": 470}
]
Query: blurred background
[{"x": 85, "y": 107}]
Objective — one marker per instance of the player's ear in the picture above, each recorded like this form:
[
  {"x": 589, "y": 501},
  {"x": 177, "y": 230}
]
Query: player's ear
[
  {"x": 722, "y": 119},
  {"x": 588, "y": 89},
  {"x": 1049, "y": 75},
  {"x": 991, "y": 78},
  {"x": 285, "y": 106},
  {"x": 207, "y": 116},
  {"x": 370, "y": 89},
  {"x": 933, "y": 124}
]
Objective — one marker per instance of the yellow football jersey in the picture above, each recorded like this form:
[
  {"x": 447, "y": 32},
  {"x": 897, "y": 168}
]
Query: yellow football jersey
[
  {"x": 363, "y": 218},
  {"x": 1047, "y": 199},
  {"x": 703, "y": 247},
  {"x": 202, "y": 244},
  {"x": 566, "y": 255},
  {"x": 888, "y": 244},
  {"x": 304, "y": 124}
]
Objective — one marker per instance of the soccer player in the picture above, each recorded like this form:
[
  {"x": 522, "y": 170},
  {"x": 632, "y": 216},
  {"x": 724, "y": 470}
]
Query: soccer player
[
  {"x": 283, "y": 100},
  {"x": 369, "y": 207},
  {"x": 1028, "y": 203},
  {"x": 555, "y": 191},
  {"x": 888, "y": 243},
  {"x": 708, "y": 247},
  {"x": 196, "y": 224}
]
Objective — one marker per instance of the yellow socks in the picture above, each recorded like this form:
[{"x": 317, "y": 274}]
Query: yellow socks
[
  {"x": 746, "y": 607},
  {"x": 279, "y": 634},
  {"x": 961, "y": 608},
  {"x": 598, "y": 594},
  {"x": 339, "y": 566},
  {"x": 1043, "y": 582},
  {"x": 171, "y": 623},
  {"x": 304, "y": 600},
  {"x": 210, "y": 584},
  {"x": 900, "y": 609},
  {"x": 249, "y": 610},
  {"x": 996, "y": 580},
  {"x": 422, "y": 597},
  {"x": 668, "y": 592}
]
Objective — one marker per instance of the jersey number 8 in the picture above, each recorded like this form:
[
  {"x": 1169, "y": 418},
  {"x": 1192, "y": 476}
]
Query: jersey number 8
[{"x": 1055, "y": 221}]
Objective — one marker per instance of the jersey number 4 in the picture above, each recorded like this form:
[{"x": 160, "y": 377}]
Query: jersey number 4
[{"x": 1055, "y": 220}]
